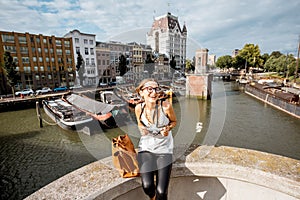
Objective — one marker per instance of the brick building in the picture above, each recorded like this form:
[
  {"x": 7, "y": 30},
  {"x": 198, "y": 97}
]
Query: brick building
[{"x": 42, "y": 61}]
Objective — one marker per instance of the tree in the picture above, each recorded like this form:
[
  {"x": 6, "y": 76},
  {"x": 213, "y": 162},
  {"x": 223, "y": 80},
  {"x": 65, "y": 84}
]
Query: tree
[
  {"x": 224, "y": 62},
  {"x": 80, "y": 67},
  {"x": 238, "y": 62},
  {"x": 122, "y": 65},
  {"x": 10, "y": 71},
  {"x": 189, "y": 66},
  {"x": 173, "y": 63},
  {"x": 251, "y": 54}
]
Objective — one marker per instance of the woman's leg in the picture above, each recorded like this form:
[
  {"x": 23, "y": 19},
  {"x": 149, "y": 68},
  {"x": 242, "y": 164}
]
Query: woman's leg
[
  {"x": 164, "y": 164},
  {"x": 147, "y": 165}
]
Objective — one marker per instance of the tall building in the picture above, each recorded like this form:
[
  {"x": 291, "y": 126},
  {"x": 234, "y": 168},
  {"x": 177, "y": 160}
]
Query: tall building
[
  {"x": 40, "y": 60},
  {"x": 167, "y": 37},
  {"x": 85, "y": 44}
]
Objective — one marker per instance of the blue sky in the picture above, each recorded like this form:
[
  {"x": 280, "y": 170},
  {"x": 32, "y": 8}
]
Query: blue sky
[{"x": 220, "y": 26}]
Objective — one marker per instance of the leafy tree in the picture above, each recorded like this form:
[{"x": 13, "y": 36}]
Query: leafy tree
[
  {"x": 173, "y": 63},
  {"x": 122, "y": 65},
  {"x": 251, "y": 54},
  {"x": 80, "y": 67},
  {"x": 276, "y": 54},
  {"x": 189, "y": 65},
  {"x": 224, "y": 62},
  {"x": 10, "y": 71},
  {"x": 238, "y": 62}
]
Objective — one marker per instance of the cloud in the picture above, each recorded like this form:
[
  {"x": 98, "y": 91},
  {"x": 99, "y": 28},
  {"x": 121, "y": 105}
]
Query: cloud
[{"x": 221, "y": 26}]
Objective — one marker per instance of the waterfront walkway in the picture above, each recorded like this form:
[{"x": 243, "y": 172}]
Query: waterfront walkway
[{"x": 208, "y": 172}]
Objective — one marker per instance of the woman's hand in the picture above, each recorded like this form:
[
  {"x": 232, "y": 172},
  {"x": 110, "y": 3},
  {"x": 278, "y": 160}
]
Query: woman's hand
[
  {"x": 143, "y": 130},
  {"x": 165, "y": 131}
]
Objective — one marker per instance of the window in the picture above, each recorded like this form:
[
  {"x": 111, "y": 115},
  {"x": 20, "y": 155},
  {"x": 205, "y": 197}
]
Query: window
[
  {"x": 68, "y": 52},
  {"x": 8, "y": 38},
  {"x": 59, "y": 51},
  {"x": 67, "y": 43},
  {"x": 76, "y": 40},
  {"x": 38, "y": 40},
  {"x": 87, "y": 61},
  {"x": 45, "y": 41},
  {"x": 93, "y": 61},
  {"x": 92, "y": 51},
  {"x": 49, "y": 77},
  {"x": 91, "y": 42},
  {"x": 86, "y": 51},
  {"x": 22, "y": 39},
  {"x": 25, "y": 59},
  {"x": 77, "y": 49},
  {"x": 42, "y": 68},
  {"x": 85, "y": 41},
  {"x": 58, "y": 42},
  {"x": 46, "y": 50},
  {"x": 40, "y": 59},
  {"x": 37, "y": 77},
  {"x": 24, "y": 50},
  {"x": 36, "y": 68},
  {"x": 34, "y": 59},
  {"x": 39, "y": 50},
  {"x": 11, "y": 49}
]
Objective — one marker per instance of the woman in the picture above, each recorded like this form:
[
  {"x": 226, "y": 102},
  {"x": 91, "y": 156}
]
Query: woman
[{"x": 155, "y": 120}]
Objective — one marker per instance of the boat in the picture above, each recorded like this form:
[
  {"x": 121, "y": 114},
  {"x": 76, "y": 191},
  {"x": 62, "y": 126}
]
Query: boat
[
  {"x": 276, "y": 96},
  {"x": 65, "y": 115},
  {"x": 103, "y": 112}
]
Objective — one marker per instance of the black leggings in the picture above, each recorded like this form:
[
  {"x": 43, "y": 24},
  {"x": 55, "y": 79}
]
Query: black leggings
[{"x": 155, "y": 164}]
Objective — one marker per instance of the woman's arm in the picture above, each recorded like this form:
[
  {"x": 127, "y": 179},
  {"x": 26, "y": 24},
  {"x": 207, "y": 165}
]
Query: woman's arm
[
  {"x": 169, "y": 111},
  {"x": 138, "y": 110}
]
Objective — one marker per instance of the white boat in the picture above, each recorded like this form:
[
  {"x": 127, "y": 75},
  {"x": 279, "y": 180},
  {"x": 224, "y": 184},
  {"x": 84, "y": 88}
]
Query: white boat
[{"x": 65, "y": 115}]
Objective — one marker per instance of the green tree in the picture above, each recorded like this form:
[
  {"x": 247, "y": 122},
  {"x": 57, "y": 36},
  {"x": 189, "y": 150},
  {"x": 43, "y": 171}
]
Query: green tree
[
  {"x": 80, "y": 67},
  {"x": 251, "y": 54},
  {"x": 10, "y": 71},
  {"x": 189, "y": 65},
  {"x": 224, "y": 62},
  {"x": 122, "y": 65},
  {"x": 276, "y": 54},
  {"x": 238, "y": 62}
]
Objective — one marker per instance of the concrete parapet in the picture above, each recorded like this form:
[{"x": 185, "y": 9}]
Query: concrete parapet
[{"x": 204, "y": 173}]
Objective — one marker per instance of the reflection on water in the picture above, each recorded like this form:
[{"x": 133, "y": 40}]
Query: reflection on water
[{"x": 32, "y": 157}]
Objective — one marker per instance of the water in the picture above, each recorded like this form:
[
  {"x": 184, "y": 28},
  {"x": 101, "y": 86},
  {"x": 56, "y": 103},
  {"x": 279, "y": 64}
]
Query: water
[{"x": 31, "y": 157}]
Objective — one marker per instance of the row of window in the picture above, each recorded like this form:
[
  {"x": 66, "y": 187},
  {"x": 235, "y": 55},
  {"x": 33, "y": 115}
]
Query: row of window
[
  {"x": 40, "y": 59},
  {"x": 22, "y": 39},
  {"x": 24, "y": 50},
  {"x": 86, "y": 50},
  {"x": 27, "y": 69},
  {"x": 85, "y": 41}
]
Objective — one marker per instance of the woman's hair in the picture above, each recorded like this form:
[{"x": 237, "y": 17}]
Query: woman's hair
[{"x": 143, "y": 82}]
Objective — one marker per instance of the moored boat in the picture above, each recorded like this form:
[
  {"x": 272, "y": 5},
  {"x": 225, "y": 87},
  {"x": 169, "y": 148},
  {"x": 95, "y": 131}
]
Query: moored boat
[
  {"x": 65, "y": 115},
  {"x": 276, "y": 96},
  {"x": 103, "y": 112}
]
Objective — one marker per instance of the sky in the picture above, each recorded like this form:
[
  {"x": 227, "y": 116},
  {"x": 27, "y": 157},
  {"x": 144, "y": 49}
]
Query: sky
[{"x": 218, "y": 25}]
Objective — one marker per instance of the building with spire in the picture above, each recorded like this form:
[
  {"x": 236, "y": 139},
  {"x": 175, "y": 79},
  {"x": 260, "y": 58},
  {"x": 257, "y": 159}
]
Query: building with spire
[{"x": 167, "y": 37}]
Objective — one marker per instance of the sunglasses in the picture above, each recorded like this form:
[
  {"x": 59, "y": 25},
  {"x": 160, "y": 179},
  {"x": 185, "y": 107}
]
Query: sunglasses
[{"x": 151, "y": 89}]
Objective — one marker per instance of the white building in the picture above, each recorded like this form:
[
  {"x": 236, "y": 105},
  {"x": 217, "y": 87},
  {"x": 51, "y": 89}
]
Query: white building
[
  {"x": 167, "y": 37},
  {"x": 86, "y": 45}
]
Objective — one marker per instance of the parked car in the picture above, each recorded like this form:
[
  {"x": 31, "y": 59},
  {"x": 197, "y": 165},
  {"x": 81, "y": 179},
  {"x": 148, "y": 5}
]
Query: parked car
[
  {"x": 76, "y": 87},
  {"x": 44, "y": 90},
  {"x": 102, "y": 84},
  {"x": 112, "y": 83},
  {"x": 24, "y": 92},
  {"x": 60, "y": 88}
]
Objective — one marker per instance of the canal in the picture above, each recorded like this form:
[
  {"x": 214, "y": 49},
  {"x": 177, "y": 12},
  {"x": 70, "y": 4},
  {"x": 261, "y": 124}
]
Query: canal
[{"x": 32, "y": 157}]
